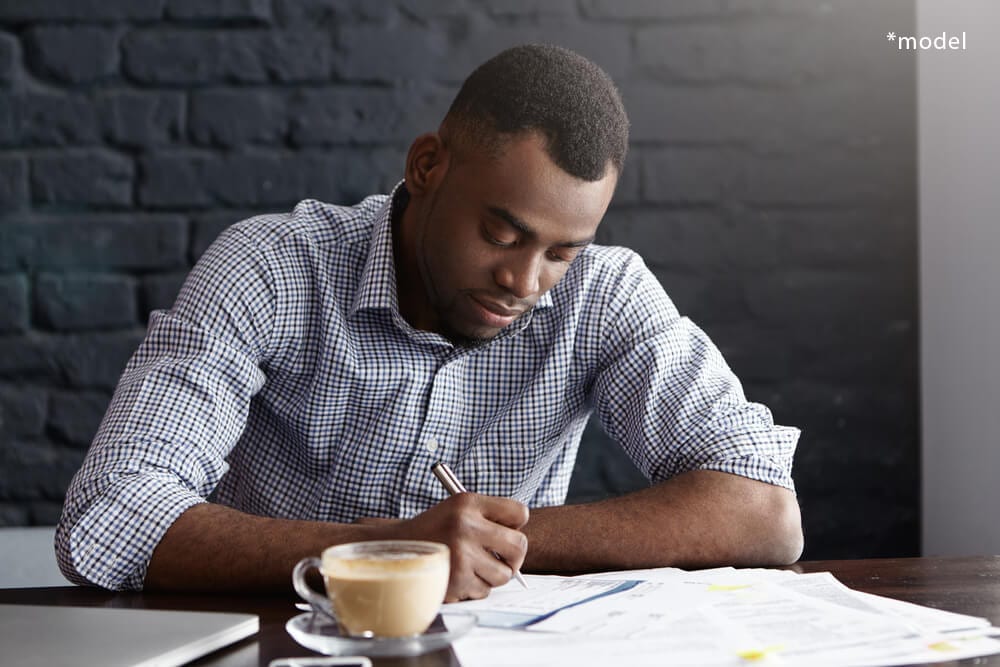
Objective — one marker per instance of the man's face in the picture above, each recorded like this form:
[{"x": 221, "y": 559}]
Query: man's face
[{"x": 494, "y": 234}]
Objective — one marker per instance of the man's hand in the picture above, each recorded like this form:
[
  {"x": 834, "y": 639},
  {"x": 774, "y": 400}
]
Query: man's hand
[{"x": 474, "y": 527}]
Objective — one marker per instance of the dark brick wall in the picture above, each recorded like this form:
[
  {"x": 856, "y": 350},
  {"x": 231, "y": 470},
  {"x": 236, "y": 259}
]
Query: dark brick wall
[{"x": 771, "y": 187}]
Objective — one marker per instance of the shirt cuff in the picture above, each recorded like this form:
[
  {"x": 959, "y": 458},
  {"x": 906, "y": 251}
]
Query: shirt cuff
[
  {"x": 112, "y": 543},
  {"x": 770, "y": 463}
]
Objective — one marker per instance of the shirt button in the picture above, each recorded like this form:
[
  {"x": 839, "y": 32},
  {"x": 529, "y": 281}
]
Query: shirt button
[{"x": 432, "y": 445}]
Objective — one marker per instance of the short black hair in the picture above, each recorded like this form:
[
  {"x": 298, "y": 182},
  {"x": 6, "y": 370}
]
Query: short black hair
[{"x": 566, "y": 98}]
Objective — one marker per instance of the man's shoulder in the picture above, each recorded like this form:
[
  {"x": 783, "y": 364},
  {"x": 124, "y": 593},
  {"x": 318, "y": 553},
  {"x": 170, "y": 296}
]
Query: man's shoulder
[
  {"x": 609, "y": 257},
  {"x": 601, "y": 274},
  {"x": 313, "y": 222},
  {"x": 602, "y": 265}
]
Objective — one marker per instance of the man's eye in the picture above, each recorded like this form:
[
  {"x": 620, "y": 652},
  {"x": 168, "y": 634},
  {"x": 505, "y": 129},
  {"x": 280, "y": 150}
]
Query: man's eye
[
  {"x": 557, "y": 257},
  {"x": 499, "y": 242}
]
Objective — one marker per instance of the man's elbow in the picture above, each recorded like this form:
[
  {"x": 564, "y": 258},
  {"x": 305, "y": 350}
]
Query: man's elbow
[
  {"x": 64, "y": 554},
  {"x": 785, "y": 522}
]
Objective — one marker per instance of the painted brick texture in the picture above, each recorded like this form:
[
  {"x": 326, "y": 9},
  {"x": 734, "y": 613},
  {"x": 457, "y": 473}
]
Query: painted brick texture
[{"x": 771, "y": 186}]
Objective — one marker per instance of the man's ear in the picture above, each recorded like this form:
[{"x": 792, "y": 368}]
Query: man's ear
[{"x": 426, "y": 164}]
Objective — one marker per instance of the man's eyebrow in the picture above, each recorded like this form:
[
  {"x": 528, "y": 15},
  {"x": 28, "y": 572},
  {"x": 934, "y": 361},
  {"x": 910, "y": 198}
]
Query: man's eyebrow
[{"x": 526, "y": 229}]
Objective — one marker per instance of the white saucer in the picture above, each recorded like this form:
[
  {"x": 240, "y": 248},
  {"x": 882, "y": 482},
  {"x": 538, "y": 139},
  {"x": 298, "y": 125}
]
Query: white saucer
[{"x": 322, "y": 634}]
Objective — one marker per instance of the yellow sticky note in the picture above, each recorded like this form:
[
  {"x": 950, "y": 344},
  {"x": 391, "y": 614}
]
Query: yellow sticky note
[
  {"x": 942, "y": 646},
  {"x": 755, "y": 654},
  {"x": 728, "y": 587}
]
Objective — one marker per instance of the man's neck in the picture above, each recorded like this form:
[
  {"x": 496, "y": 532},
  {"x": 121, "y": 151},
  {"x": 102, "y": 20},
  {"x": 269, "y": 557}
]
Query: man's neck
[{"x": 410, "y": 293}]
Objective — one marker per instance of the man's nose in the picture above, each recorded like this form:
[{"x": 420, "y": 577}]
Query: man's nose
[{"x": 519, "y": 274}]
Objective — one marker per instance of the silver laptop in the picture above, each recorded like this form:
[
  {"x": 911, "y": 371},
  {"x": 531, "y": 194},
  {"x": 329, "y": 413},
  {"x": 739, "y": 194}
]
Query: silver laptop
[{"x": 56, "y": 636}]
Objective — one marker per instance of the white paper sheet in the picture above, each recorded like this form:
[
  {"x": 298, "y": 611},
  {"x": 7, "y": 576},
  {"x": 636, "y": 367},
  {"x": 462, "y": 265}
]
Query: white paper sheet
[{"x": 724, "y": 616}]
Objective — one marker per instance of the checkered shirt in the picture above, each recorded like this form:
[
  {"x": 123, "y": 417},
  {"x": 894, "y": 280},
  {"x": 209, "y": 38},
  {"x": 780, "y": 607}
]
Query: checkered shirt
[{"x": 285, "y": 383}]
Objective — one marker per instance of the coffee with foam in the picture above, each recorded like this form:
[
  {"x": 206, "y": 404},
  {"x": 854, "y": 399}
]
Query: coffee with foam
[{"x": 387, "y": 588}]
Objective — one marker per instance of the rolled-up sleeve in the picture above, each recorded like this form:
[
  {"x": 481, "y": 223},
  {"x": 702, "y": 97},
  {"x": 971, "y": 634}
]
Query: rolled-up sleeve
[
  {"x": 666, "y": 394},
  {"x": 178, "y": 410}
]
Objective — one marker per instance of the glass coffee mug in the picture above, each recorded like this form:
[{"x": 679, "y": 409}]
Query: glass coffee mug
[{"x": 382, "y": 588}]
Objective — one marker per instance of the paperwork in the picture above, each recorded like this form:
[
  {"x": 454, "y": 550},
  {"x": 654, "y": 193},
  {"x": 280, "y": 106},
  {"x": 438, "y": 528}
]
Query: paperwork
[
  {"x": 711, "y": 617},
  {"x": 510, "y": 607}
]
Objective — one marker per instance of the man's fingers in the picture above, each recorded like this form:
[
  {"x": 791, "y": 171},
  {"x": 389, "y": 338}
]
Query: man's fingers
[
  {"x": 504, "y": 511},
  {"x": 494, "y": 571},
  {"x": 472, "y": 589},
  {"x": 509, "y": 543},
  {"x": 469, "y": 564},
  {"x": 511, "y": 546},
  {"x": 477, "y": 523},
  {"x": 475, "y": 571}
]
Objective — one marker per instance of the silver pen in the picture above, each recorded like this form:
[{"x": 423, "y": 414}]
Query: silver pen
[{"x": 451, "y": 483}]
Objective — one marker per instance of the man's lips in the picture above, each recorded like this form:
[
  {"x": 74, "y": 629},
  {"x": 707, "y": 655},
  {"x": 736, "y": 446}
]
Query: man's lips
[{"x": 495, "y": 314}]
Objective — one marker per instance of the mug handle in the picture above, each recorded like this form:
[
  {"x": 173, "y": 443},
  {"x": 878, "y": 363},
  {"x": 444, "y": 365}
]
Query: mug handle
[{"x": 319, "y": 603}]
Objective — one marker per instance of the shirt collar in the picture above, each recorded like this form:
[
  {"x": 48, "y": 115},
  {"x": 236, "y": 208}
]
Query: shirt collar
[{"x": 377, "y": 288}]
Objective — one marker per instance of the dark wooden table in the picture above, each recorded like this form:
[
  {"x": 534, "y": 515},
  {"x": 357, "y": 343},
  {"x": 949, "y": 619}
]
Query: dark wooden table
[{"x": 965, "y": 585}]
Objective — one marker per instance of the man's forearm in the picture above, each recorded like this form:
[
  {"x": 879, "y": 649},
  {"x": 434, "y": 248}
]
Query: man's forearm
[
  {"x": 697, "y": 519},
  {"x": 213, "y": 547}
]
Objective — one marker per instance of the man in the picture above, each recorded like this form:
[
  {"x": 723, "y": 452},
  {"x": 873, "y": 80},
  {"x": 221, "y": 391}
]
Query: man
[{"x": 316, "y": 364}]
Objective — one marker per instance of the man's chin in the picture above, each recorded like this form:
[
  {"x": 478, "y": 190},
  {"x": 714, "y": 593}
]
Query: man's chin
[
  {"x": 470, "y": 332},
  {"x": 471, "y": 337},
  {"x": 470, "y": 340}
]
